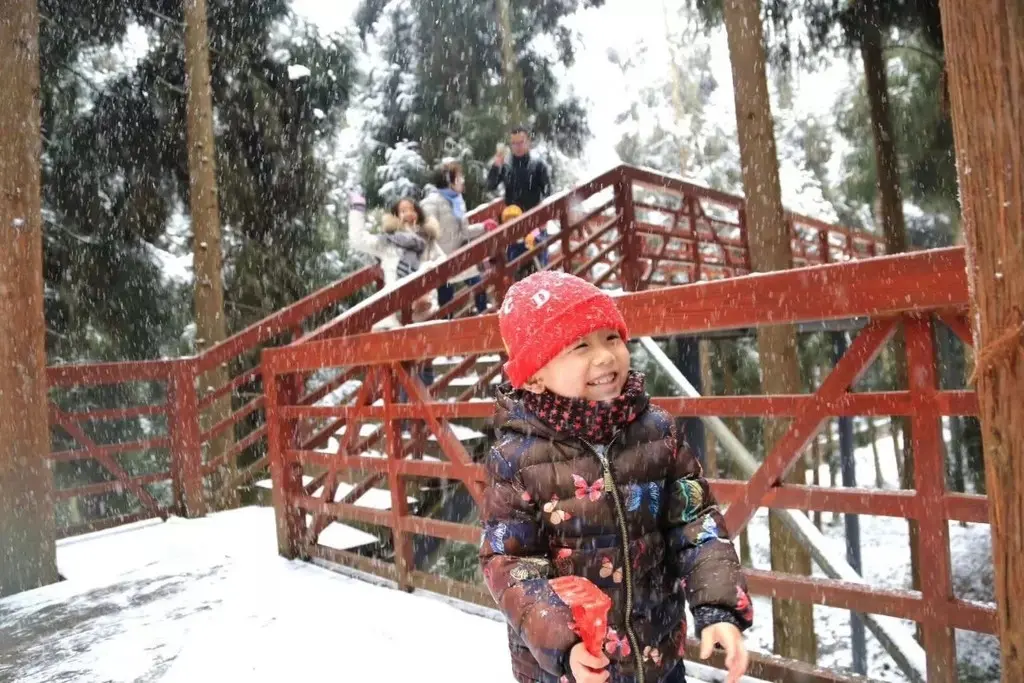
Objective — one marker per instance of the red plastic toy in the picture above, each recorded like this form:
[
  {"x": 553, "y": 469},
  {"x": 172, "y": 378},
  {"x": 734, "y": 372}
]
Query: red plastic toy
[{"x": 589, "y": 605}]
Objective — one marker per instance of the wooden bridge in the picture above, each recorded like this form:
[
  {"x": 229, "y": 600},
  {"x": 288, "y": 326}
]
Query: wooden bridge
[{"x": 337, "y": 414}]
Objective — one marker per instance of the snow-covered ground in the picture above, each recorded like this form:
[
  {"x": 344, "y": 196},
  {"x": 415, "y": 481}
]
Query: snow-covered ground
[{"x": 210, "y": 600}]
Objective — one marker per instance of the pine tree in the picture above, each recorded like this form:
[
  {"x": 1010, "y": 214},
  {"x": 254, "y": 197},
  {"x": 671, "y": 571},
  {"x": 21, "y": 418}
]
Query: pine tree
[
  {"x": 115, "y": 167},
  {"x": 436, "y": 87}
]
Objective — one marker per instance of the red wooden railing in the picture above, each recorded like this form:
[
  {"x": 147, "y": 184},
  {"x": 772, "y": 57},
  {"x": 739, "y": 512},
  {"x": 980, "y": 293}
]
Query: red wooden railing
[
  {"x": 678, "y": 232},
  {"x": 628, "y": 228},
  {"x": 178, "y": 478},
  {"x": 913, "y": 291}
]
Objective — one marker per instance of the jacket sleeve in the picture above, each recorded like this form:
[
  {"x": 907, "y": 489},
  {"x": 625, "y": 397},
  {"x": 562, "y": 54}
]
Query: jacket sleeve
[
  {"x": 516, "y": 569},
  {"x": 704, "y": 557},
  {"x": 408, "y": 240},
  {"x": 495, "y": 176},
  {"x": 543, "y": 179},
  {"x": 359, "y": 237},
  {"x": 434, "y": 253},
  {"x": 473, "y": 231}
]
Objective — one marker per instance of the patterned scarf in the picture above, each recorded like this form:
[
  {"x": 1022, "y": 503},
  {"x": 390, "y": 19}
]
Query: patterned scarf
[{"x": 593, "y": 421}]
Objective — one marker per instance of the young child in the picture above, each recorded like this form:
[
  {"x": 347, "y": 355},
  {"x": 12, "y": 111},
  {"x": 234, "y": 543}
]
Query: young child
[
  {"x": 407, "y": 238},
  {"x": 588, "y": 479},
  {"x": 413, "y": 233}
]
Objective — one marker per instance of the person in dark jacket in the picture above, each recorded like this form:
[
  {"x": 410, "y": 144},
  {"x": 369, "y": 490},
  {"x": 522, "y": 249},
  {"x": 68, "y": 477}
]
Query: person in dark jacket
[
  {"x": 526, "y": 180},
  {"x": 525, "y": 177},
  {"x": 587, "y": 478}
]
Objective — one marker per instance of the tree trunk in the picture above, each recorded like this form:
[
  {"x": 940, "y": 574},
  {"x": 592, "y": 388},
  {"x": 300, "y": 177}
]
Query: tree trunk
[
  {"x": 873, "y": 438},
  {"x": 770, "y": 249},
  {"x": 832, "y": 460},
  {"x": 27, "y": 526},
  {"x": 886, "y": 161},
  {"x": 897, "y": 446},
  {"x": 211, "y": 326},
  {"x": 675, "y": 69},
  {"x": 985, "y": 59},
  {"x": 513, "y": 78}
]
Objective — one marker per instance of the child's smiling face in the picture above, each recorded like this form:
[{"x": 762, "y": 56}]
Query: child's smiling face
[
  {"x": 594, "y": 368},
  {"x": 407, "y": 213}
]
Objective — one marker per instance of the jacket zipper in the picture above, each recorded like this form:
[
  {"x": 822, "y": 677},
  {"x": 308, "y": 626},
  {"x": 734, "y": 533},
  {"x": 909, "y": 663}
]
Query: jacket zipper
[{"x": 627, "y": 569}]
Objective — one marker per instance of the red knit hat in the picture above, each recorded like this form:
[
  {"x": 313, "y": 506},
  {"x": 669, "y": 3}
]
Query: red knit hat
[{"x": 546, "y": 312}]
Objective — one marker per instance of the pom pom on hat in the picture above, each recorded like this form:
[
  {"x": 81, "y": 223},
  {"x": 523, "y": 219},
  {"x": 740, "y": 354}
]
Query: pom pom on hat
[{"x": 546, "y": 312}]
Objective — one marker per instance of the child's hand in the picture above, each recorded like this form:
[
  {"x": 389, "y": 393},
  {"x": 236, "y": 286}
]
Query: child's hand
[
  {"x": 586, "y": 668},
  {"x": 731, "y": 640}
]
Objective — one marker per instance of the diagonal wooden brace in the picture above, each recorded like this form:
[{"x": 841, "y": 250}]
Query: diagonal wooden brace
[
  {"x": 851, "y": 366},
  {"x": 446, "y": 438},
  {"x": 60, "y": 418}
]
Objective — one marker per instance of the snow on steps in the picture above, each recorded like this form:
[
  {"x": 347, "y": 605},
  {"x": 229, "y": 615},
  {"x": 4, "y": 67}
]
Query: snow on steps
[
  {"x": 342, "y": 536},
  {"x": 376, "y": 498},
  {"x": 209, "y": 599}
]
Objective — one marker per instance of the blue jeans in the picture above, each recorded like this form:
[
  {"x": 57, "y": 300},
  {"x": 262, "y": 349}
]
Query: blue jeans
[{"x": 446, "y": 292}]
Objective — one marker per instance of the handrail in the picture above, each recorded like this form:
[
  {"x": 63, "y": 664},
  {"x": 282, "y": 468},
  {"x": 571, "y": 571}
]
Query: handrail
[
  {"x": 360, "y": 317},
  {"x": 288, "y": 317},
  {"x": 912, "y": 289},
  {"x": 880, "y": 286},
  {"x": 182, "y": 409}
]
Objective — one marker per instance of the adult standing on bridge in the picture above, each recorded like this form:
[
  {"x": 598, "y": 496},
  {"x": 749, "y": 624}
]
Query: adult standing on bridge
[
  {"x": 526, "y": 181},
  {"x": 445, "y": 204},
  {"x": 524, "y": 176}
]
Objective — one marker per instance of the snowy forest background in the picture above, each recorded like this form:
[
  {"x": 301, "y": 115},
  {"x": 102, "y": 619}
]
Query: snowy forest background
[{"x": 315, "y": 99}]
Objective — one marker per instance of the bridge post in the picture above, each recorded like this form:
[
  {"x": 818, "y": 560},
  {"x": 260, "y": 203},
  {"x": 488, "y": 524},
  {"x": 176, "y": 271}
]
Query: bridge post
[
  {"x": 285, "y": 474},
  {"x": 186, "y": 439},
  {"x": 631, "y": 242},
  {"x": 848, "y": 469}
]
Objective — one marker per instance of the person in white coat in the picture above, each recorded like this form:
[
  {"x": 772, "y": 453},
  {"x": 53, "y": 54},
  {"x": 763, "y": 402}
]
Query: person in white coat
[
  {"x": 446, "y": 205},
  {"x": 408, "y": 238}
]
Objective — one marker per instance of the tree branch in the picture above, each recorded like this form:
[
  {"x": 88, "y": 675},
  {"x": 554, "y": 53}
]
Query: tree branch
[{"x": 912, "y": 48}]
